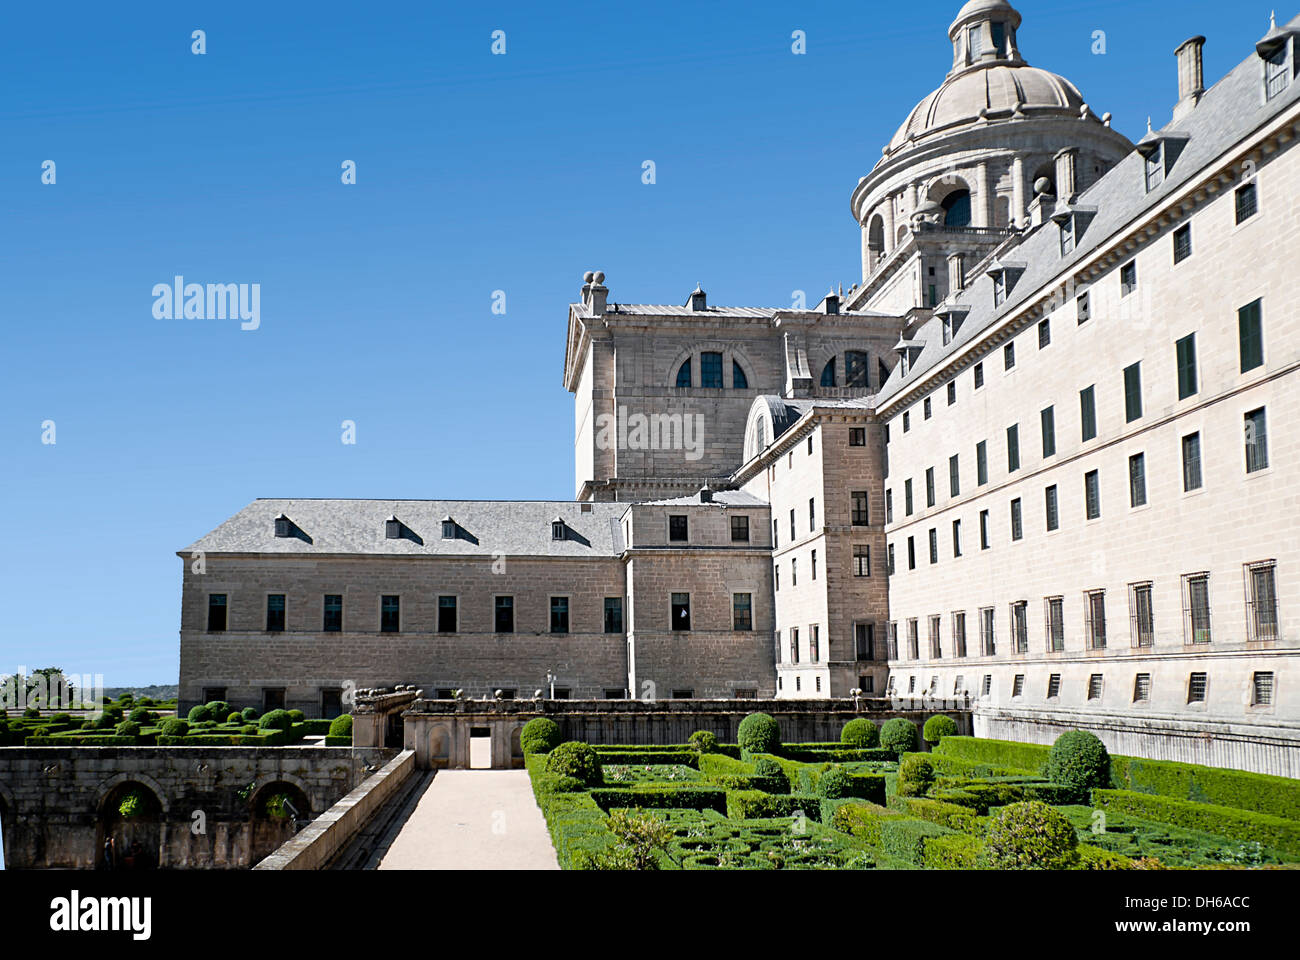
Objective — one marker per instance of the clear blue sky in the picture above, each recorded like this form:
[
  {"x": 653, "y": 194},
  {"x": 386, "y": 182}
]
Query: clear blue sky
[{"x": 475, "y": 173}]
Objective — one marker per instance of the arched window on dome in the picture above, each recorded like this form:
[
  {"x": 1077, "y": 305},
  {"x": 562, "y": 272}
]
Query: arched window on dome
[
  {"x": 855, "y": 369},
  {"x": 956, "y": 209},
  {"x": 738, "y": 379},
  {"x": 828, "y": 373},
  {"x": 684, "y": 373},
  {"x": 875, "y": 242}
]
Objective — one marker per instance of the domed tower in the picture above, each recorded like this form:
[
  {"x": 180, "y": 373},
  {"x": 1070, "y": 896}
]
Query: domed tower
[{"x": 963, "y": 170}]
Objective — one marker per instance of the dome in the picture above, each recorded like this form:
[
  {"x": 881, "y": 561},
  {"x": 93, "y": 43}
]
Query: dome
[
  {"x": 979, "y": 9},
  {"x": 996, "y": 91}
]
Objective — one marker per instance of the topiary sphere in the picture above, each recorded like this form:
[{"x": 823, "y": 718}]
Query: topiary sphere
[
  {"x": 758, "y": 733},
  {"x": 539, "y": 735},
  {"x": 860, "y": 732},
  {"x": 701, "y": 741},
  {"x": 835, "y": 784},
  {"x": 31, "y": 713},
  {"x": 276, "y": 720},
  {"x": 61, "y": 718},
  {"x": 939, "y": 726},
  {"x": 341, "y": 726},
  {"x": 575, "y": 759},
  {"x": 898, "y": 735},
  {"x": 127, "y": 728},
  {"x": 249, "y": 713},
  {"x": 297, "y": 716},
  {"x": 235, "y": 717},
  {"x": 1030, "y": 836},
  {"x": 200, "y": 713},
  {"x": 1079, "y": 760},
  {"x": 218, "y": 708},
  {"x": 140, "y": 715},
  {"x": 915, "y": 776},
  {"x": 103, "y": 721}
]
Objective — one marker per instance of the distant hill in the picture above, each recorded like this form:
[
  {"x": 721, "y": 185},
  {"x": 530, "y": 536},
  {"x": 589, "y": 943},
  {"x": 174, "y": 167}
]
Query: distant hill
[{"x": 162, "y": 691}]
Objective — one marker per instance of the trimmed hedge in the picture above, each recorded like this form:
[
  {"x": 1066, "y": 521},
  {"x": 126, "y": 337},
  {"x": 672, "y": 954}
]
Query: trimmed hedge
[
  {"x": 1078, "y": 759},
  {"x": 539, "y": 735},
  {"x": 1243, "y": 825},
  {"x": 1030, "y": 836},
  {"x": 906, "y": 839},
  {"x": 575, "y": 759},
  {"x": 1022, "y": 757},
  {"x": 937, "y": 811},
  {"x": 835, "y": 753},
  {"x": 954, "y": 851},
  {"x": 654, "y": 796},
  {"x": 340, "y": 728},
  {"x": 755, "y": 805},
  {"x": 939, "y": 726},
  {"x": 899, "y": 736},
  {"x": 1095, "y": 858},
  {"x": 758, "y": 733},
  {"x": 863, "y": 820},
  {"x": 1258, "y": 792},
  {"x": 664, "y": 755},
  {"x": 89, "y": 740},
  {"x": 861, "y": 733}
]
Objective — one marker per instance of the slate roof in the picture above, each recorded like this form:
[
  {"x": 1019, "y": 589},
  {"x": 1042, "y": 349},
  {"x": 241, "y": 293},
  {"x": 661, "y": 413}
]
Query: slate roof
[
  {"x": 786, "y": 412},
  {"x": 484, "y": 527},
  {"x": 1226, "y": 114},
  {"x": 724, "y": 498}
]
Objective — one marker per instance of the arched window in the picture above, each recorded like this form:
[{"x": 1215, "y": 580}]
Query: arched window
[
  {"x": 738, "y": 379},
  {"x": 684, "y": 373},
  {"x": 855, "y": 369},
  {"x": 828, "y": 373},
  {"x": 956, "y": 209}
]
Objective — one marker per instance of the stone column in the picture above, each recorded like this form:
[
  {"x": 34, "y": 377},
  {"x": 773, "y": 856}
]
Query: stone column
[
  {"x": 887, "y": 213},
  {"x": 1067, "y": 174},
  {"x": 956, "y": 277},
  {"x": 982, "y": 209},
  {"x": 1017, "y": 190}
]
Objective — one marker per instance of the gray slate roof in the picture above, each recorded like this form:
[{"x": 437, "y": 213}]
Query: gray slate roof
[
  {"x": 1226, "y": 114},
  {"x": 721, "y": 498},
  {"x": 512, "y": 527},
  {"x": 786, "y": 411}
]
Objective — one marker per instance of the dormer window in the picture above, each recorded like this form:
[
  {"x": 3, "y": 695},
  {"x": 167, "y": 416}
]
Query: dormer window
[
  {"x": 1004, "y": 276},
  {"x": 392, "y": 528},
  {"x": 1067, "y": 235},
  {"x": 999, "y": 288},
  {"x": 557, "y": 529},
  {"x": 1155, "y": 167},
  {"x": 283, "y": 526},
  {"x": 951, "y": 318},
  {"x": 448, "y": 528},
  {"x": 1276, "y": 74}
]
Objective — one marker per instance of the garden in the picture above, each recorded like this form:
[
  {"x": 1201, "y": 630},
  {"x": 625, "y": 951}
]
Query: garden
[
  {"x": 128, "y": 722},
  {"x": 877, "y": 800}
]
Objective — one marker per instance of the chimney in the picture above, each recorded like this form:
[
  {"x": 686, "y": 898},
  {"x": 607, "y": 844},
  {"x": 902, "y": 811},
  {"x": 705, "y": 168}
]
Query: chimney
[
  {"x": 698, "y": 300},
  {"x": 831, "y": 303},
  {"x": 1191, "y": 82},
  {"x": 594, "y": 292},
  {"x": 1040, "y": 208},
  {"x": 956, "y": 273},
  {"x": 1067, "y": 173},
  {"x": 706, "y": 494}
]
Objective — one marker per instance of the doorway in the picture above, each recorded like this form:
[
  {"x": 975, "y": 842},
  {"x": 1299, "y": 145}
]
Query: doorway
[{"x": 480, "y": 748}]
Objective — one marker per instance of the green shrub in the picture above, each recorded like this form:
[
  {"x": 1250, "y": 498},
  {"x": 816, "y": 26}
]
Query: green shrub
[
  {"x": 939, "y": 726},
  {"x": 234, "y": 717},
  {"x": 42, "y": 731},
  {"x": 249, "y": 713},
  {"x": 767, "y": 767},
  {"x": 200, "y": 713},
  {"x": 174, "y": 727},
  {"x": 937, "y": 811},
  {"x": 275, "y": 720},
  {"x": 85, "y": 725},
  {"x": 835, "y": 784},
  {"x": 860, "y": 732},
  {"x": 217, "y": 709},
  {"x": 248, "y": 730},
  {"x": 1026, "y": 757},
  {"x": 297, "y": 716},
  {"x": 701, "y": 741},
  {"x": 31, "y": 713},
  {"x": 104, "y": 721},
  {"x": 1262, "y": 793},
  {"x": 276, "y": 806},
  {"x": 915, "y": 775},
  {"x": 1030, "y": 836},
  {"x": 61, "y": 718},
  {"x": 1094, "y": 858},
  {"x": 558, "y": 783},
  {"x": 898, "y": 735},
  {"x": 755, "y": 805},
  {"x": 955, "y": 851},
  {"x": 341, "y": 726},
  {"x": 906, "y": 839},
  {"x": 640, "y": 840},
  {"x": 1243, "y": 825},
  {"x": 127, "y": 728},
  {"x": 140, "y": 715},
  {"x": 539, "y": 735},
  {"x": 758, "y": 733},
  {"x": 1079, "y": 760},
  {"x": 132, "y": 804},
  {"x": 862, "y": 820},
  {"x": 575, "y": 759}
]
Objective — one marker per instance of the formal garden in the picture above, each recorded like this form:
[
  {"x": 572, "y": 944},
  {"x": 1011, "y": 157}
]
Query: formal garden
[
  {"x": 876, "y": 800},
  {"x": 128, "y": 722}
]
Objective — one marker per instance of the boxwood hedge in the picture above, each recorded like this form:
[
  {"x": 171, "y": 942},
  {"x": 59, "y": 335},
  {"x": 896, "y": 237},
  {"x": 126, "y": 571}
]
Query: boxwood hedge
[{"x": 1244, "y": 825}]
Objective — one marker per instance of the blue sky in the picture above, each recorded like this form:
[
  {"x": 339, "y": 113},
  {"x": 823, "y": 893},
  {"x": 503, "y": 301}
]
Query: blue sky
[{"x": 475, "y": 173}]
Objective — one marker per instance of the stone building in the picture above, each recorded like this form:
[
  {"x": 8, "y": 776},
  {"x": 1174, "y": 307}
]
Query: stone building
[{"x": 1038, "y": 456}]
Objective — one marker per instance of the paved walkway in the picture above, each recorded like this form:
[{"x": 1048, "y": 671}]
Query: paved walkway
[{"x": 474, "y": 820}]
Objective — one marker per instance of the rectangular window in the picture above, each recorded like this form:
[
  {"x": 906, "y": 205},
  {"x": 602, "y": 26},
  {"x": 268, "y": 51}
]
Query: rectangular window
[
  {"x": 333, "y": 620},
  {"x": 954, "y": 476},
  {"x": 775, "y": 538},
  {"x": 812, "y": 514},
  {"x": 864, "y": 639},
  {"x": 979, "y": 375},
  {"x": 1088, "y": 412},
  {"x": 913, "y": 641},
  {"x": 503, "y": 614},
  {"x": 1044, "y": 333},
  {"x": 1082, "y": 310},
  {"x": 891, "y": 638},
  {"x": 678, "y": 531},
  {"x": 681, "y": 611},
  {"x": 1185, "y": 351},
  {"x": 1128, "y": 278},
  {"x": 1182, "y": 243},
  {"x": 1276, "y": 75},
  {"x": 711, "y": 370},
  {"x": 1053, "y": 513},
  {"x": 1155, "y": 167},
  {"x": 1142, "y": 687},
  {"x": 1094, "y": 627},
  {"x": 907, "y": 497},
  {"x": 861, "y": 560},
  {"x": 929, "y": 486},
  {"x": 216, "y": 612},
  {"x": 857, "y": 436},
  {"x": 1196, "y": 608},
  {"x": 1055, "y": 619},
  {"x": 1137, "y": 480},
  {"x": 911, "y": 553},
  {"x": 1017, "y": 528},
  {"x": 984, "y": 529},
  {"x": 275, "y": 612},
  {"x": 1247, "y": 202},
  {"x": 559, "y": 614},
  {"x": 1261, "y": 600},
  {"x": 1141, "y": 615},
  {"x": 1009, "y": 356},
  {"x": 999, "y": 288},
  {"x": 1047, "y": 423},
  {"x": 952, "y": 392},
  {"x": 793, "y": 533},
  {"x": 390, "y": 614},
  {"x": 934, "y": 545},
  {"x": 814, "y": 564},
  {"x": 1256, "y": 441},
  {"x": 1013, "y": 448},
  {"x": 860, "y": 518},
  {"x": 1094, "y": 686},
  {"x": 981, "y": 463},
  {"x": 1092, "y": 494},
  {"x": 956, "y": 538},
  {"x": 1196, "y": 684},
  {"x": 1132, "y": 392},
  {"x": 794, "y": 571},
  {"x": 889, "y": 506},
  {"x": 1018, "y": 685},
  {"x": 925, "y": 406},
  {"x": 1192, "y": 462},
  {"x": 959, "y": 633},
  {"x": 613, "y": 614},
  {"x": 742, "y": 616},
  {"x": 988, "y": 643},
  {"x": 739, "y": 529},
  {"x": 1020, "y": 627},
  {"x": 987, "y": 687},
  {"x": 446, "y": 614},
  {"x": 1053, "y": 686},
  {"x": 889, "y": 560},
  {"x": 1262, "y": 688},
  {"x": 936, "y": 651},
  {"x": 1251, "y": 335}
]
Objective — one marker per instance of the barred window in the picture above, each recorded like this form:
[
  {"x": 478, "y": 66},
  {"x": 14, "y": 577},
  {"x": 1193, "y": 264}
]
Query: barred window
[
  {"x": 861, "y": 560},
  {"x": 1137, "y": 480},
  {"x": 860, "y": 517},
  {"x": 1094, "y": 687},
  {"x": 1020, "y": 627},
  {"x": 913, "y": 640},
  {"x": 1053, "y": 686},
  {"x": 891, "y": 637},
  {"x": 711, "y": 370},
  {"x": 1247, "y": 202},
  {"x": 1017, "y": 528},
  {"x": 934, "y": 545},
  {"x": 936, "y": 652},
  {"x": 1128, "y": 278},
  {"x": 1142, "y": 687},
  {"x": 959, "y": 633},
  {"x": 1262, "y": 687},
  {"x": 986, "y": 688},
  {"x": 1141, "y": 621},
  {"x": 988, "y": 643},
  {"x": 1055, "y": 619},
  {"x": 1094, "y": 624},
  {"x": 1256, "y": 432},
  {"x": 742, "y": 615},
  {"x": 1261, "y": 600},
  {"x": 1053, "y": 512},
  {"x": 1182, "y": 243},
  {"x": 1192, "y": 462},
  {"x": 1196, "y": 686},
  {"x": 1018, "y": 685},
  {"x": 1196, "y": 608}
]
